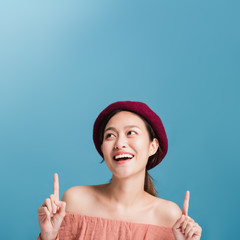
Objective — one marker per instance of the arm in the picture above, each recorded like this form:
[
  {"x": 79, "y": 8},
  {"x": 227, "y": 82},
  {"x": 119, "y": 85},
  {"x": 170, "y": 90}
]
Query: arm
[{"x": 39, "y": 237}]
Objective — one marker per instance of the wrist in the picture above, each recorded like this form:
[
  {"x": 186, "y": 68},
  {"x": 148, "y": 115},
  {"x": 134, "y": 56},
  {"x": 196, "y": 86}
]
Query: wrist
[{"x": 48, "y": 236}]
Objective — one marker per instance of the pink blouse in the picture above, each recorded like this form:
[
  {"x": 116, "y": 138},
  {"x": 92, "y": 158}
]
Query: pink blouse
[{"x": 82, "y": 227}]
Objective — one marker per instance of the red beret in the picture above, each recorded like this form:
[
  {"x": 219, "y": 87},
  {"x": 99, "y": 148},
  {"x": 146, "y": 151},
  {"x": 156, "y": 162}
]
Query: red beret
[{"x": 144, "y": 111}]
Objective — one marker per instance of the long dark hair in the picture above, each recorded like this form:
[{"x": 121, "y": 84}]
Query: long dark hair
[{"x": 148, "y": 182}]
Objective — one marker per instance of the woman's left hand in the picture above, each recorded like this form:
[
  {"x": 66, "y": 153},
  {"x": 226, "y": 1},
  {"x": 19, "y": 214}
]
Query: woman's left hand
[{"x": 185, "y": 227}]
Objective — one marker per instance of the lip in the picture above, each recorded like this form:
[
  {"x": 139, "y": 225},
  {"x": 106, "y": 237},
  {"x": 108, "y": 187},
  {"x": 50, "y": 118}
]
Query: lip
[
  {"x": 123, "y": 161},
  {"x": 121, "y": 152}
]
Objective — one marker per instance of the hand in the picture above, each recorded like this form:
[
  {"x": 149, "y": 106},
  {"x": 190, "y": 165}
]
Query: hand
[
  {"x": 51, "y": 213},
  {"x": 185, "y": 228}
]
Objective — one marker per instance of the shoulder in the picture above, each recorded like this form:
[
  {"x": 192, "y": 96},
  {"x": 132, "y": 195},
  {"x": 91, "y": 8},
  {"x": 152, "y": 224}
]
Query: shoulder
[
  {"x": 75, "y": 192},
  {"x": 167, "y": 212},
  {"x": 77, "y": 198}
]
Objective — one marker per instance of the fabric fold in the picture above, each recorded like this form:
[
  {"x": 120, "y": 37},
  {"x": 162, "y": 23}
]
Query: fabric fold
[{"x": 81, "y": 227}]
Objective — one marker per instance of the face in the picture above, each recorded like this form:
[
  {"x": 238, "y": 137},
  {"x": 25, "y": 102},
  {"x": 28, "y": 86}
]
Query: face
[{"x": 126, "y": 144}]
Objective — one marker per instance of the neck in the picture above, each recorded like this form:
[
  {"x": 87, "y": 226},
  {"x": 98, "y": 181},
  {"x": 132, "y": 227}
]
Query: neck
[{"x": 127, "y": 192}]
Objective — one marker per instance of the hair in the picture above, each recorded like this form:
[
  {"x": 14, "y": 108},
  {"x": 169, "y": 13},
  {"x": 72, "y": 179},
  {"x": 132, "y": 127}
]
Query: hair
[{"x": 148, "y": 181}]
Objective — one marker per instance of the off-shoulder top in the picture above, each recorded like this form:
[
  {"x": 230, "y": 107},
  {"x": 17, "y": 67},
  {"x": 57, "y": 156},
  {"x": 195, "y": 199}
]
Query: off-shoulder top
[{"x": 81, "y": 227}]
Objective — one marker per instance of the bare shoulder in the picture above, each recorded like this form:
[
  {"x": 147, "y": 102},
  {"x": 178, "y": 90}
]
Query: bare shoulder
[
  {"x": 167, "y": 211},
  {"x": 74, "y": 192},
  {"x": 78, "y": 198}
]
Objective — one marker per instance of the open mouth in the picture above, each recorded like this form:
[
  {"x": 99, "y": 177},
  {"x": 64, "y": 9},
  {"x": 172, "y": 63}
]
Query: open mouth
[{"x": 123, "y": 157}]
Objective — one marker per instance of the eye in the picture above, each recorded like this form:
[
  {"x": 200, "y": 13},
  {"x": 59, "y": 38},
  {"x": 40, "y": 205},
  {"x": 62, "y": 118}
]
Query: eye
[
  {"x": 133, "y": 132},
  {"x": 109, "y": 135}
]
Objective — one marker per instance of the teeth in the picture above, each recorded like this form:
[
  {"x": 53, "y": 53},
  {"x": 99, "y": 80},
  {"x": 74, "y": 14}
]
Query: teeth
[{"x": 123, "y": 156}]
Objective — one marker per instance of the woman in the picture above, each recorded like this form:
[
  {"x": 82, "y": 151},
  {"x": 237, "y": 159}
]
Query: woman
[{"x": 131, "y": 139}]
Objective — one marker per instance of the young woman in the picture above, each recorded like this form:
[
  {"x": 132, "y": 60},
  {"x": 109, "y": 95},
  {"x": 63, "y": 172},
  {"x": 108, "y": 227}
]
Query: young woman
[{"x": 131, "y": 139}]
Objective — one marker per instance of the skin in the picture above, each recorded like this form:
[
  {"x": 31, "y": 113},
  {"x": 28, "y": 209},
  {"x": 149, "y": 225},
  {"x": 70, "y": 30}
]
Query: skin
[
  {"x": 124, "y": 198},
  {"x": 51, "y": 213},
  {"x": 185, "y": 227}
]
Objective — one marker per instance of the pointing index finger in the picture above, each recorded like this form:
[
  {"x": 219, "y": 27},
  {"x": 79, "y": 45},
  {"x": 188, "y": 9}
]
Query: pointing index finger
[
  {"x": 56, "y": 186},
  {"x": 186, "y": 204}
]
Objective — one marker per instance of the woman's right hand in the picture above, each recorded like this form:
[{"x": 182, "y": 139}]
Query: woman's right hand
[{"x": 51, "y": 213}]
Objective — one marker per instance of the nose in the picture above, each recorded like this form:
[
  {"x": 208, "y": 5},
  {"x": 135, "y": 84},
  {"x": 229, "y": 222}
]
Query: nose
[{"x": 120, "y": 143}]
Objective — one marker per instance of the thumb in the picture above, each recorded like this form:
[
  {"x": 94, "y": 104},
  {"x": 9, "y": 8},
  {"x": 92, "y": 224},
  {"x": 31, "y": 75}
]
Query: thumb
[
  {"x": 179, "y": 222},
  {"x": 62, "y": 207},
  {"x": 59, "y": 216}
]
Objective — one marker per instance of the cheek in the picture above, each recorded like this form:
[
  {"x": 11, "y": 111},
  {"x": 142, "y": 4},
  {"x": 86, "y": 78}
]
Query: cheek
[
  {"x": 141, "y": 145},
  {"x": 106, "y": 147}
]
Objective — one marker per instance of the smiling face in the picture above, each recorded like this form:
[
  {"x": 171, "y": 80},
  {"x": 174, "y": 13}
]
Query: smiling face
[{"x": 126, "y": 144}]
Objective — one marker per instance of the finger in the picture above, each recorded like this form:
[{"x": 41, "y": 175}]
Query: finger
[
  {"x": 184, "y": 224},
  {"x": 48, "y": 204},
  {"x": 195, "y": 230},
  {"x": 45, "y": 208},
  {"x": 188, "y": 228},
  {"x": 54, "y": 207},
  {"x": 179, "y": 222},
  {"x": 62, "y": 208},
  {"x": 186, "y": 204},
  {"x": 58, "y": 204},
  {"x": 43, "y": 212},
  {"x": 192, "y": 232},
  {"x": 56, "y": 186}
]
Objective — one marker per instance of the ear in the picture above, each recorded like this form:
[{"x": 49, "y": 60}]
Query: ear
[{"x": 154, "y": 146}]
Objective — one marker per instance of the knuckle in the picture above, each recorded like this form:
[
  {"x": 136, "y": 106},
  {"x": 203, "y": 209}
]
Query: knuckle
[{"x": 47, "y": 213}]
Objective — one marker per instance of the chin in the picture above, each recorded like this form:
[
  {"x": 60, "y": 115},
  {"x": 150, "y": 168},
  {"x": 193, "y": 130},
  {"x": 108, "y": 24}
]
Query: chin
[{"x": 127, "y": 174}]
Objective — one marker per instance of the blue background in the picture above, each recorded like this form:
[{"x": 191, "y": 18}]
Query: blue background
[{"x": 62, "y": 62}]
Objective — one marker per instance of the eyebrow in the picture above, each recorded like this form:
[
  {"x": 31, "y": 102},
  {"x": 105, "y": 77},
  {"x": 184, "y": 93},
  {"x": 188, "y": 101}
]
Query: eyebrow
[{"x": 128, "y": 126}]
